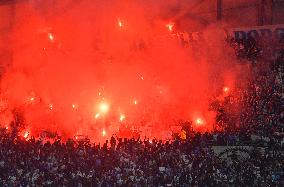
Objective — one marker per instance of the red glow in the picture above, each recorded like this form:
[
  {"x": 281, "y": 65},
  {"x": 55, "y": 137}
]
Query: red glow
[
  {"x": 135, "y": 102},
  {"x": 69, "y": 77},
  {"x": 104, "y": 107},
  {"x": 170, "y": 26},
  {"x": 104, "y": 132},
  {"x": 199, "y": 121},
  {"x": 119, "y": 23},
  {"x": 122, "y": 117},
  {"x": 26, "y": 134},
  {"x": 226, "y": 89},
  {"x": 97, "y": 115},
  {"x": 50, "y": 36}
]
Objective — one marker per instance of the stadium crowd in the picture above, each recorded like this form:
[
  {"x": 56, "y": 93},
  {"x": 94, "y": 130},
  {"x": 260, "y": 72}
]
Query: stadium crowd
[
  {"x": 253, "y": 140},
  {"x": 133, "y": 162}
]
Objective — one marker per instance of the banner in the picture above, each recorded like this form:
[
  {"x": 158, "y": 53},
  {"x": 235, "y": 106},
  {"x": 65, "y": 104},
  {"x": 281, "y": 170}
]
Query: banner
[{"x": 275, "y": 32}]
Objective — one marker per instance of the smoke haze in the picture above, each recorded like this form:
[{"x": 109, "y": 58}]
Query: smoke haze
[{"x": 70, "y": 57}]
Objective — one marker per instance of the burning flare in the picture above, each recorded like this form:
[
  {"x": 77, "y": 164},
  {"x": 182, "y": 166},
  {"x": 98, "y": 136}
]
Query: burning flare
[
  {"x": 226, "y": 89},
  {"x": 199, "y": 121},
  {"x": 50, "y": 36},
  {"x": 97, "y": 115},
  {"x": 104, "y": 107},
  {"x": 135, "y": 102},
  {"x": 119, "y": 23},
  {"x": 26, "y": 134},
  {"x": 170, "y": 26},
  {"x": 122, "y": 117},
  {"x": 104, "y": 132}
]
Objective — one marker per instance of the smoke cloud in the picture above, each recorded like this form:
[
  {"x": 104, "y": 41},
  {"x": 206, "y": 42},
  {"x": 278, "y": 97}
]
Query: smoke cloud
[{"x": 83, "y": 67}]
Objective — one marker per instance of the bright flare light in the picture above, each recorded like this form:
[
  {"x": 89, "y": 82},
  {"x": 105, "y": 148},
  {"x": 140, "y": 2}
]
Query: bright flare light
[
  {"x": 122, "y": 117},
  {"x": 104, "y": 132},
  {"x": 50, "y": 36},
  {"x": 73, "y": 106},
  {"x": 32, "y": 99},
  {"x": 104, "y": 107},
  {"x": 226, "y": 89},
  {"x": 135, "y": 102},
  {"x": 170, "y": 26},
  {"x": 51, "y": 106},
  {"x": 26, "y": 134},
  {"x": 199, "y": 121},
  {"x": 97, "y": 115},
  {"x": 119, "y": 23}
]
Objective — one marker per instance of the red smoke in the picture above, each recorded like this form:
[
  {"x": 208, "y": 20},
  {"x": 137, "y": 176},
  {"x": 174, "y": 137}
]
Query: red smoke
[{"x": 91, "y": 67}]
